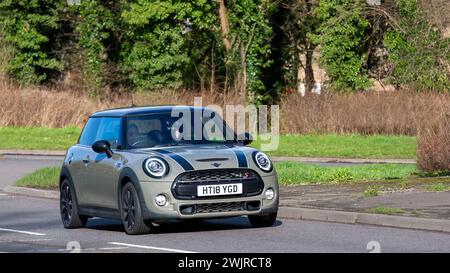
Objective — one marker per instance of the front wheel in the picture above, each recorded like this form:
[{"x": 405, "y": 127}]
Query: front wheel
[
  {"x": 69, "y": 207},
  {"x": 131, "y": 211},
  {"x": 266, "y": 220}
]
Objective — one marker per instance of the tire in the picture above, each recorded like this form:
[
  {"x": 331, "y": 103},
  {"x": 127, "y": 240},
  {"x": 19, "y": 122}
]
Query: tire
[
  {"x": 131, "y": 211},
  {"x": 69, "y": 208},
  {"x": 262, "y": 220}
]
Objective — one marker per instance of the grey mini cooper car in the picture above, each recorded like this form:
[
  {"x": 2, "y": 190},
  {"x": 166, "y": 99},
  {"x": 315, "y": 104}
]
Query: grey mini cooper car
[{"x": 142, "y": 166}]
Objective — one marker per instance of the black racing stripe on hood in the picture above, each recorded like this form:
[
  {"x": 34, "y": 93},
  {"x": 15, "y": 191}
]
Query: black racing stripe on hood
[
  {"x": 179, "y": 159},
  {"x": 242, "y": 159}
]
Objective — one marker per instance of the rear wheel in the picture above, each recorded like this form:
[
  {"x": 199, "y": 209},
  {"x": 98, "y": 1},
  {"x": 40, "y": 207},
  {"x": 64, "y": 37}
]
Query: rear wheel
[
  {"x": 266, "y": 220},
  {"x": 131, "y": 211},
  {"x": 69, "y": 207}
]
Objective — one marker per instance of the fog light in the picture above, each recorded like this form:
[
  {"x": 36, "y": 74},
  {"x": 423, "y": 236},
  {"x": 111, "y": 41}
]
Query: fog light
[
  {"x": 270, "y": 194},
  {"x": 160, "y": 200}
]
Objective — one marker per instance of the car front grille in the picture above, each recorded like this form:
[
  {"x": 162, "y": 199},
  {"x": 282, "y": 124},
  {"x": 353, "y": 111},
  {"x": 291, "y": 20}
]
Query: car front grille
[
  {"x": 216, "y": 175},
  {"x": 185, "y": 185}
]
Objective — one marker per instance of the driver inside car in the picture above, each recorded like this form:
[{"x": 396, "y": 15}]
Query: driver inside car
[{"x": 137, "y": 140}]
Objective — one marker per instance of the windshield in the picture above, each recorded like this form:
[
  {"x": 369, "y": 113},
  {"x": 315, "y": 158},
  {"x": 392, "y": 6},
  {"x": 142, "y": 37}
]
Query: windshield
[{"x": 163, "y": 129}]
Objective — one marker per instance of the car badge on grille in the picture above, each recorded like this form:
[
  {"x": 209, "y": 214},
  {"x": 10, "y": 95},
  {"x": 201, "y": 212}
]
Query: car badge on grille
[{"x": 215, "y": 164}]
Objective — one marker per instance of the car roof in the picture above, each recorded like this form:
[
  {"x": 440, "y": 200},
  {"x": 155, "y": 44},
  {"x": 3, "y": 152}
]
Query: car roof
[{"x": 141, "y": 110}]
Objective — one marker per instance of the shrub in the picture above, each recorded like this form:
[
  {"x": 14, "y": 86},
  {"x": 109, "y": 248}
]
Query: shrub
[{"x": 434, "y": 147}]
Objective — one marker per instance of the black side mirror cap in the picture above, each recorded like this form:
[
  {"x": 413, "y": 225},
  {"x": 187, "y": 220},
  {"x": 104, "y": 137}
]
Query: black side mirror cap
[
  {"x": 245, "y": 138},
  {"x": 102, "y": 146}
]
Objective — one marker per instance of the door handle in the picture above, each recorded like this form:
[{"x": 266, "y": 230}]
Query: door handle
[{"x": 86, "y": 160}]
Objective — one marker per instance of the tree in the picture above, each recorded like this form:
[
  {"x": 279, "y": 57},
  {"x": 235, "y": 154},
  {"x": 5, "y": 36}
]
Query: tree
[
  {"x": 247, "y": 34},
  {"x": 155, "y": 50},
  {"x": 299, "y": 26},
  {"x": 97, "y": 32},
  {"x": 30, "y": 27},
  {"x": 341, "y": 36},
  {"x": 419, "y": 53}
]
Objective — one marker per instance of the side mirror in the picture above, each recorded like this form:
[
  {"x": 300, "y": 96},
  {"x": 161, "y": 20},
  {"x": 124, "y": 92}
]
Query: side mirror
[
  {"x": 102, "y": 146},
  {"x": 245, "y": 138}
]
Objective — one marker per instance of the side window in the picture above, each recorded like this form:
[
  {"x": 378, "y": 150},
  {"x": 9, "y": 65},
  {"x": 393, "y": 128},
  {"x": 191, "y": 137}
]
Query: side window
[
  {"x": 89, "y": 132},
  {"x": 109, "y": 129}
]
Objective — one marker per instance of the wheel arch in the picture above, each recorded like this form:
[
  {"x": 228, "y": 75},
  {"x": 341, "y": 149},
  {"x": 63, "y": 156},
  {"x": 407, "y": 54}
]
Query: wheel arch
[
  {"x": 128, "y": 175},
  {"x": 65, "y": 174}
]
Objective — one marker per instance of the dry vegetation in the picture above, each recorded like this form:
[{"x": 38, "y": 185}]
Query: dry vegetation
[
  {"x": 434, "y": 147},
  {"x": 399, "y": 113},
  {"x": 41, "y": 107}
]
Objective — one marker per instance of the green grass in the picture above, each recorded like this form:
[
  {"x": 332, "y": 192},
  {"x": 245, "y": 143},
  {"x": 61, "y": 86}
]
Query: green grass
[
  {"x": 386, "y": 210},
  {"x": 292, "y": 173},
  {"x": 45, "y": 178},
  {"x": 350, "y": 146},
  {"x": 437, "y": 187},
  {"x": 372, "y": 191},
  {"x": 38, "y": 138}
]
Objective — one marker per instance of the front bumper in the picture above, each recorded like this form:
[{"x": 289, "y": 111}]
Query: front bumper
[{"x": 210, "y": 208}]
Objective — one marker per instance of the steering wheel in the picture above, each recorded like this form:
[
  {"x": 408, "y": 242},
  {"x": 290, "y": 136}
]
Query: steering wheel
[{"x": 135, "y": 143}]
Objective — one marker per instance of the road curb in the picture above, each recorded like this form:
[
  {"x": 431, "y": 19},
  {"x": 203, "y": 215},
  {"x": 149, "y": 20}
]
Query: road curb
[
  {"x": 33, "y": 152},
  {"x": 346, "y": 217},
  {"x": 48, "y": 194},
  {"x": 18, "y": 152}
]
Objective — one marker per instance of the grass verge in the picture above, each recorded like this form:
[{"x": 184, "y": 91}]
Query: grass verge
[
  {"x": 437, "y": 187},
  {"x": 45, "y": 178},
  {"x": 295, "y": 173},
  {"x": 38, "y": 138},
  {"x": 289, "y": 173},
  {"x": 350, "y": 146}
]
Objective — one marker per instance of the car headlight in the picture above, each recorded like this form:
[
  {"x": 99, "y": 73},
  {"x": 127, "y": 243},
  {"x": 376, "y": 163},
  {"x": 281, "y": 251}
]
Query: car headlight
[
  {"x": 262, "y": 161},
  {"x": 155, "y": 167}
]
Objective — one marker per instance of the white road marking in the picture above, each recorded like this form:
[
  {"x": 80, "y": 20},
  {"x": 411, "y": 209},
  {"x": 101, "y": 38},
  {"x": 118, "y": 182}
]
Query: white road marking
[
  {"x": 23, "y": 232},
  {"x": 34, "y": 240},
  {"x": 152, "y": 247},
  {"x": 114, "y": 248}
]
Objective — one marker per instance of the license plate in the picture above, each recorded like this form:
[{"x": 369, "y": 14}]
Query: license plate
[{"x": 221, "y": 189}]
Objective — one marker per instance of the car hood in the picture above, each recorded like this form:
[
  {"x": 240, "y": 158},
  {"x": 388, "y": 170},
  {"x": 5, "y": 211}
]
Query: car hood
[{"x": 206, "y": 156}]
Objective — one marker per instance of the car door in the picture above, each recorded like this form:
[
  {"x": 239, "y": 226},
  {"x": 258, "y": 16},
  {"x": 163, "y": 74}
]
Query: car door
[
  {"x": 78, "y": 160},
  {"x": 101, "y": 172}
]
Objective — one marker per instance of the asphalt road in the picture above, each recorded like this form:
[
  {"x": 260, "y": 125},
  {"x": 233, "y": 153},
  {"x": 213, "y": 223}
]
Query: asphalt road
[
  {"x": 14, "y": 167},
  {"x": 33, "y": 225}
]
